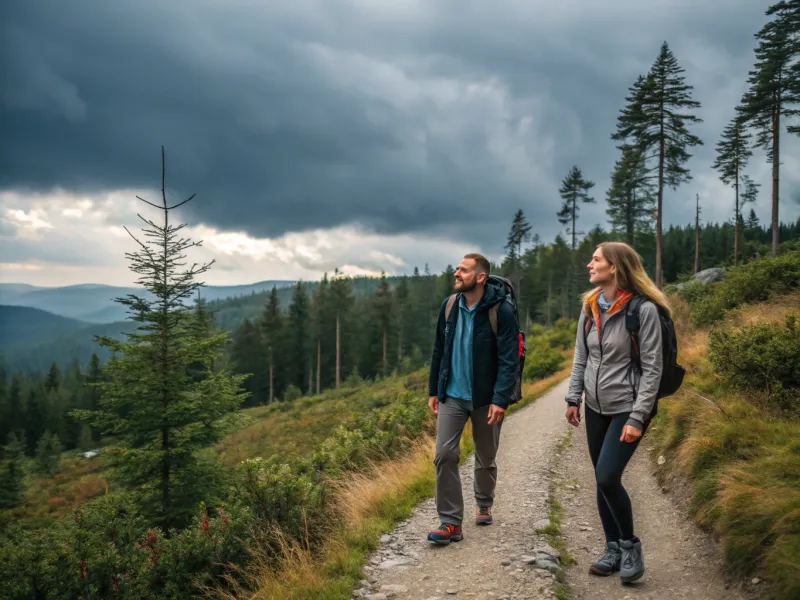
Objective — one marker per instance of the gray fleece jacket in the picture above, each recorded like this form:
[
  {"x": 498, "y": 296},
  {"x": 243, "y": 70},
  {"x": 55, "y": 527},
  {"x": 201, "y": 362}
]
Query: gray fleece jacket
[{"x": 606, "y": 377}]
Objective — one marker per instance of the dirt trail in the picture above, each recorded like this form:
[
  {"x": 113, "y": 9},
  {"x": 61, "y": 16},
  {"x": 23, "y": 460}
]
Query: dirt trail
[
  {"x": 496, "y": 562},
  {"x": 680, "y": 560}
]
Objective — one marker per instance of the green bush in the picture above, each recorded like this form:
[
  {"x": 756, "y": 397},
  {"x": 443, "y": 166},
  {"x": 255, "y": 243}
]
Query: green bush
[
  {"x": 541, "y": 359},
  {"x": 763, "y": 357},
  {"x": 755, "y": 281}
]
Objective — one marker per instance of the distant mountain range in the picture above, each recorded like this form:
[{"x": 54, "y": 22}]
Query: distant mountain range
[
  {"x": 94, "y": 303},
  {"x": 40, "y": 325}
]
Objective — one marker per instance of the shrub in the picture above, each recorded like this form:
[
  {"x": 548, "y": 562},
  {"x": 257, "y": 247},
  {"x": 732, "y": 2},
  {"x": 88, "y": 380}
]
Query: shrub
[
  {"x": 541, "y": 359},
  {"x": 755, "y": 281},
  {"x": 761, "y": 357}
]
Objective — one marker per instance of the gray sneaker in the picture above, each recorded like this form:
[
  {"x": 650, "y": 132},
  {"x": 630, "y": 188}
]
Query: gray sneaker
[
  {"x": 609, "y": 562},
  {"x": 632, "y": 565}
]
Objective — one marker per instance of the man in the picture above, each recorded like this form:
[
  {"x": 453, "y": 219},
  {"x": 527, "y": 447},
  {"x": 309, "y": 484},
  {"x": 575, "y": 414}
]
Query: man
[{"x": 472, "y": 377}]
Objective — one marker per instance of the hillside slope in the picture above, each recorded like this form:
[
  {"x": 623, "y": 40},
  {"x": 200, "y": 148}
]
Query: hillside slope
[
  {"x": 22, "y": 325},
  {"x": 95, "y": 302}
]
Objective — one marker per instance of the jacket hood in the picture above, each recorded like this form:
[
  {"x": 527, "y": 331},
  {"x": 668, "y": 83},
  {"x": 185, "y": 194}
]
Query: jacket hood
[{"x": 492, "y": 294}]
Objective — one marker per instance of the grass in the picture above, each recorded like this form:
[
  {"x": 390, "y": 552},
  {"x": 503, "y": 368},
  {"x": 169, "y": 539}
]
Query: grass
[
  {"x": 742, "y": 463},
  {"x": 366, "y": 505},
  {"x": 283, "y": 430}
]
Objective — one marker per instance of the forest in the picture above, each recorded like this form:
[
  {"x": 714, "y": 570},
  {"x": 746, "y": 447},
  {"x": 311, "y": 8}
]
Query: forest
[{"x": 159, "y": 398}]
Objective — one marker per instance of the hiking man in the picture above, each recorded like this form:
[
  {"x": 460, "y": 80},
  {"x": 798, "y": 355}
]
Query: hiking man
[{"x": 472, "y": 376}]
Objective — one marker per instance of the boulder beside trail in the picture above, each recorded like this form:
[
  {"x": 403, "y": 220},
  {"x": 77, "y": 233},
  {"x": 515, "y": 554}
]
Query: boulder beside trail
[{"x": 705, "y": 276}]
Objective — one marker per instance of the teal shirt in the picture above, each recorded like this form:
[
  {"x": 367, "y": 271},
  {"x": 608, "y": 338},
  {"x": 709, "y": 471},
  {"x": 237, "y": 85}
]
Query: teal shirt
[{"x": 459, "y": 385}]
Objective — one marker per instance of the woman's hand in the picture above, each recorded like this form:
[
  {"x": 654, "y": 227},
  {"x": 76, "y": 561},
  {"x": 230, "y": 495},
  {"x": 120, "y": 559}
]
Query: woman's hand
[
  {"x": 630, "y": 434},
  {"x": 574, "y": 415}
]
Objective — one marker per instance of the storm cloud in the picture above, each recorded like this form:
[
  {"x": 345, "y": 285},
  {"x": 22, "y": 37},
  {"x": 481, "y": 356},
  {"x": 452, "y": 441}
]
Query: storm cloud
[{"x": 434, "y": 118}]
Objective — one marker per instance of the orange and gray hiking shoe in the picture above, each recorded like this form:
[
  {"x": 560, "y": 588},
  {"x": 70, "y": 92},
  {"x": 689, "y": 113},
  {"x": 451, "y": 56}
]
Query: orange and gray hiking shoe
[
  {"x": 445, "y": 534},
  {"x": 483, "y": 515}
]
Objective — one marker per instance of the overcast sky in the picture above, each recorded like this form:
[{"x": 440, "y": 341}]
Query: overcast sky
[{"x": 360, "y": 134}]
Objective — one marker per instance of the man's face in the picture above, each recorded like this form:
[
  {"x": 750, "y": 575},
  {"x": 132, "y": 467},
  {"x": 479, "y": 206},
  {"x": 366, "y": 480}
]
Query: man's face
[{"x": 466, "y": 276}]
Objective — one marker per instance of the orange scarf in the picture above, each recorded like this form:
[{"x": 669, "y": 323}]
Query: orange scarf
[{"x": 591, "y": 301}]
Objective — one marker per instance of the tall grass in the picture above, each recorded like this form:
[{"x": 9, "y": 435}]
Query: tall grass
[{"x": 742, "y": 463}]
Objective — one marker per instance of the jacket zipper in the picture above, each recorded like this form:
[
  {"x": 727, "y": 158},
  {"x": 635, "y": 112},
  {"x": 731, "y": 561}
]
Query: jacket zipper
[{"x": 597, "y": 375}]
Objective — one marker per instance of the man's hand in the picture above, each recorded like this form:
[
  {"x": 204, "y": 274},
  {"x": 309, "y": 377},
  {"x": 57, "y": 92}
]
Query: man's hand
[
  {"x": 574, "y": 415},
  {"x": 630, "y": 434},
  {"x": 433, "y": 404},
  {"x": 495, "y": 414}
]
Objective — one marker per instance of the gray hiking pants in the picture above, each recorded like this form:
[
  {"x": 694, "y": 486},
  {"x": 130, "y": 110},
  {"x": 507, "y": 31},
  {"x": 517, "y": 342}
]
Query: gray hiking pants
[{"x": 449, "y": 426}]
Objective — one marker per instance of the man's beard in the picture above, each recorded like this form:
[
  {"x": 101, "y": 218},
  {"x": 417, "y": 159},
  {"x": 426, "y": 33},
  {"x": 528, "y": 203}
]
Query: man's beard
[{"x": 465, "y": 288}]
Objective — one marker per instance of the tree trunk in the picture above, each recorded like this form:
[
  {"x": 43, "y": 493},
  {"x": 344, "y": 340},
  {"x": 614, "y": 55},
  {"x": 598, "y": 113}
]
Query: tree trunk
[
  {"x": 736, "y": 221},
  {"x": 319, "y": 366},
  {"x": 659, "y": 208},
  {"x": 385, "y": 361},
  {"x": 310, "y": 388},
  {"x": 549, "y": 296},
  {"x": 574, "y": 208},
  {"x": 776, "y": 132},
  {"x": 271, "y": 380},
  {"x": 697, "y": 236},
  {"x": 165, "y": 476},
  {"x": 338, "y": 358},
  {"x": 400, "y": 343}
]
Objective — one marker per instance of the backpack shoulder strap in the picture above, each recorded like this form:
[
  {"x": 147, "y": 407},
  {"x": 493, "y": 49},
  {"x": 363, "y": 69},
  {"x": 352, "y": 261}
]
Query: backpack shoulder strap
[
  {"x": 632, "y": 313},
  {"x": 493, "y": 317},
  {"x": 450, "y": 302},
  {"x": 632, "y": 324}
]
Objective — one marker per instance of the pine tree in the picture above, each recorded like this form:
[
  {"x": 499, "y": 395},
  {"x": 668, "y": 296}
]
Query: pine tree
[
  {"x": 272, "y": 331},
  {"x": 733, "y": 151},
  {"x": 752, "y": 220},
  {"x": 403, "y": 316},
  {"x": 382, "y": 309},
  {"x": 156, "y": 412},
  {"x": 93, "y": 396},
  {"x": 53, "y": 380},
  {"x": 574, "y": 189},
  {"x": 774, "y": 89},
  {"x": 12, "y": 473},
  {"x": 48, "y": 454},
  {"x": 320, "y": 308},
  {"x": 631, "y": 200},
  {"x": 654, "y": 122},
  {"x": 697, "y": 236},
  {"x": 519, "y": 233},
  {"x": 297, "y": 346},
  {"x": 247, "y": 358},
  {"x": 341, "y": 303}
]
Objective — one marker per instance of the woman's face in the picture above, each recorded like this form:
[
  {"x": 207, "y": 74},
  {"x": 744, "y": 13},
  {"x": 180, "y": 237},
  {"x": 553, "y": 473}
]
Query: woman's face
[{"x": 601, "y": 272}]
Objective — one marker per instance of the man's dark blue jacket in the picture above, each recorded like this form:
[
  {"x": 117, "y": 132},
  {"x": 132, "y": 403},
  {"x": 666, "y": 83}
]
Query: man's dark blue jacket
[{"x": 494, "y": 359}]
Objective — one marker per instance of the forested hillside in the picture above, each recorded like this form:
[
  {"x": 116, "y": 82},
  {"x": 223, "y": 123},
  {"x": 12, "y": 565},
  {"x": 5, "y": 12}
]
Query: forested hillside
[{"x": 191, "y": 491}]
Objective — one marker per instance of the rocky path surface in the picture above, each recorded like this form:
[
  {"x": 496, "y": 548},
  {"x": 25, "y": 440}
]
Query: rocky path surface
[{"x": 509, "y": 560}]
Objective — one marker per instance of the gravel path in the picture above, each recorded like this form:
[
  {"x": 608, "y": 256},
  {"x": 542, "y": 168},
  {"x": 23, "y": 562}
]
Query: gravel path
[
  {"x": 509, "y": 560},
  {"x": 681, "y": 561},
  {"x": 490, "y": 562}
]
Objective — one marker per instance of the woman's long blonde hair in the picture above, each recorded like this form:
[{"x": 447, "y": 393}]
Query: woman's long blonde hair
[{"x": 630, "y": 275}]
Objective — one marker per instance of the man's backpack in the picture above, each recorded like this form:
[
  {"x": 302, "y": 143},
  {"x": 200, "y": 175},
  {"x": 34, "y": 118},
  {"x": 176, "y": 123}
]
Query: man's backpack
[
  {"x": 511, "y": 298},
  {"x": 672, "y": 373}
]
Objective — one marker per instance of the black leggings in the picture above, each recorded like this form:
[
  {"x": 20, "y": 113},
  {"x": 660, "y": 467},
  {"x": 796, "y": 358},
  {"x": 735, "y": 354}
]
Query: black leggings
[{"x": 609, "y": 457}]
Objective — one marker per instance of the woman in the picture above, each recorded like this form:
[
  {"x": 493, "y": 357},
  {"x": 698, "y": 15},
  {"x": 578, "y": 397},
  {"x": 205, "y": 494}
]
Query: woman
[{"x": 620, "y": 394}]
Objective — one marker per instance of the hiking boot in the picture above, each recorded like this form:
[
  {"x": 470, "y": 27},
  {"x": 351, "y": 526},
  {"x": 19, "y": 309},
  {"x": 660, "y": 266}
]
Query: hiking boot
[
  {"x": 632, "y": 563},
  {"x": 445, "y": 534},
  {"x": 609, "y": 562},
  {"x": 483, "y": 515}
]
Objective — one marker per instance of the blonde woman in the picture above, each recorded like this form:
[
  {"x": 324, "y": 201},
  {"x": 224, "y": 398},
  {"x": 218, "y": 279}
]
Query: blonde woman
[{"x": 620, "y": 392}]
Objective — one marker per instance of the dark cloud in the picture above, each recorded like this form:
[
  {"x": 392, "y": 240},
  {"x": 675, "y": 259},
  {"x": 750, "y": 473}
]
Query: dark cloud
[{"x": 418, "y": 117}]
